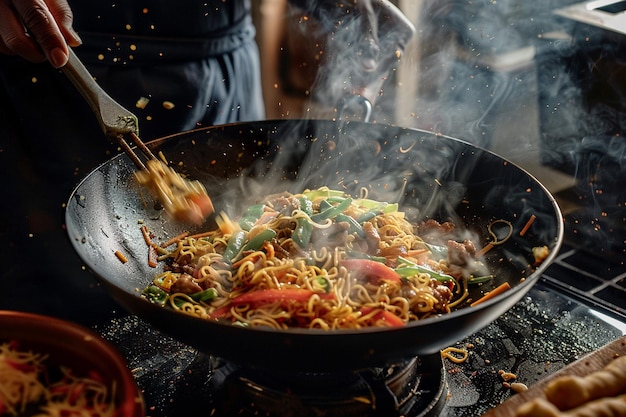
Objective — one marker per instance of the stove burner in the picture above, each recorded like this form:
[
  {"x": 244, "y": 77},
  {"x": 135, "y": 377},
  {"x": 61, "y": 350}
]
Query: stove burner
[
  {"x": 412, "y": 388},
  {"x": 178, "y": 380}
]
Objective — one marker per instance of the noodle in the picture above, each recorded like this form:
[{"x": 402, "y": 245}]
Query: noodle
[
  {"x": 320, "y": 259},
  {"x": 28, "y": 386},
  {"x": 452, "y": 352}
]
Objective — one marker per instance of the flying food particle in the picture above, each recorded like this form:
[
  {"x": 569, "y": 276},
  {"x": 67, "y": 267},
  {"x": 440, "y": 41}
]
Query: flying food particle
[
  {"x": 519, "y": 387},
  {"x": 507, "y": 376},
  {"x": 142, "y": 102},
  {"x": 168, "y": 105},
  {"x": 123, "y": 259}
]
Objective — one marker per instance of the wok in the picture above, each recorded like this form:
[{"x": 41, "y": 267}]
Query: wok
[{"x": 430, "y": 175}]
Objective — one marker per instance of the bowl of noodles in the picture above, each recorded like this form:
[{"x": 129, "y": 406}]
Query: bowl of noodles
[{"x": 54, "y": 367}]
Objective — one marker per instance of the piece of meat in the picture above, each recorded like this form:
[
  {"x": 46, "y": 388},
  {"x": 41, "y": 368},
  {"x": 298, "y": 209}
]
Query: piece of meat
[
  {"x": 442, "y": 293},
  {"x": 460, "y": 253},
  {"x": 372, "y": 238},
  {"x": 435, "y": 231},
  {"x": 285, "y": 205},
  {"x": 185, "y": 284}
]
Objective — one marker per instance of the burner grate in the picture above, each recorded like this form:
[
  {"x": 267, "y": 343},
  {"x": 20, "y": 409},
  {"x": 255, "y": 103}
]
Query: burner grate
[{"x": 593, "y": 280}]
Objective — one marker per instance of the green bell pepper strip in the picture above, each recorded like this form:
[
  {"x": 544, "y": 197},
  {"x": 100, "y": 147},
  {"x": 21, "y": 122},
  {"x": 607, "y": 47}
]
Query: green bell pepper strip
[
  {"x": 200, "y": 296},
  {"x": 306, "y": 205},
  {"x": 302, "y": 234},
  {"x": 367, "y": 216},
  {"x": 439, "y": 252},
  {"x": 235, "y": 243},
  {"x": 325, "y": 205},
  {"x": 336, "y": 199},
  {"x": 251, "y": 216},
  {"x": 205, "y": 295},
  {"x": 155, "y": 294},
  {"x": 363, "y": 255},
  {"x": 256, "y": 242},
  {"x": 326, "y": 192},
  {"x": 375, "y": 210},
  {"x": 408, "y": 269},
  {"x": 377, "y": 205},
  {"x": 332, "y": 212},
  {"x": 355, "y": 227}
]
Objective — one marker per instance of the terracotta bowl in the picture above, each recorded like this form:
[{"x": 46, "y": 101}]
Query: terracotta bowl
[{"x": 77, "y": 348}]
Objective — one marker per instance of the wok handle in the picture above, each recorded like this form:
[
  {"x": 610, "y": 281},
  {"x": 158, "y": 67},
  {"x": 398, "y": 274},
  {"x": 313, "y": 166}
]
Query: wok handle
[
  {"x": 357, "y": 107},
  {"x": 114, "y": 119}
]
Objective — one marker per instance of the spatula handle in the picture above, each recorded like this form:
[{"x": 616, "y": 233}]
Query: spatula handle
[{"x": 114, "y": 119}]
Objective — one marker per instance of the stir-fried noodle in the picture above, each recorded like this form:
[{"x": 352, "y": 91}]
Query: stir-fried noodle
[{"x": 319, "y": 259}]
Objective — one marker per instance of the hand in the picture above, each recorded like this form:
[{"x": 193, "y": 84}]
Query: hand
[{"x": 37, "y": 30}]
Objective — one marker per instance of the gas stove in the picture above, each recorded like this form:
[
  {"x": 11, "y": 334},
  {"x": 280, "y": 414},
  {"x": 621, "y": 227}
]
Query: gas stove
[{"x": 578, "y": 306}]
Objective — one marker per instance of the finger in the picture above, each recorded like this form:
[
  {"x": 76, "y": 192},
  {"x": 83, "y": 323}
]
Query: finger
[
  {"x": 13, "y": 37},
  {"x": 41, "y": 25},
  {"x": 62, "y": 14},
  {"x": 4, "y": 49}
]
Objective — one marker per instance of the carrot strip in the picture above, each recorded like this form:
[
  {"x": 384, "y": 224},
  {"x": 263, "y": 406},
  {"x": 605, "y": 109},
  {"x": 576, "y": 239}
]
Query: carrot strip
[
  {"x": 121, "y": 256},
  {"x": 527, "y": 225},
  {"x": 496, "y": 291},
  {"x": 153, "y": 257},
  {"x": 146, "y": 235},
  {"x": 174, "y": 239}
]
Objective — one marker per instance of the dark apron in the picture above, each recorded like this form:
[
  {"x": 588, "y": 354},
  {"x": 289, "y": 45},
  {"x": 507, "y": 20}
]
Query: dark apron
[{"x": 49, "y": 138}]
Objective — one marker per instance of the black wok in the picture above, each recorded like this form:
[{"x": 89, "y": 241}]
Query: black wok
[{"x": 430, "y": 175}]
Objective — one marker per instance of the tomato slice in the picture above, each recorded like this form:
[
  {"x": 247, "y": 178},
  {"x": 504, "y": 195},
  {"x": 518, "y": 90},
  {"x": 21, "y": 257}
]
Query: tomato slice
[
  {"x": 373, "y": 271},
  {"x": 271, "y": 295}
]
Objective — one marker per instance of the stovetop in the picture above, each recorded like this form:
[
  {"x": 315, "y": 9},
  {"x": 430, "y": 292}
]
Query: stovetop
[{"x": 548, "y": 329}]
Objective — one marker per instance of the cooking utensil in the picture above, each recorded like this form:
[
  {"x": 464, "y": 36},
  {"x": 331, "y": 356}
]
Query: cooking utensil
[
  {"x": 116, "y": 121},
  {"x": 183, "y": 199},
  {"x": 430, "y": 175}
]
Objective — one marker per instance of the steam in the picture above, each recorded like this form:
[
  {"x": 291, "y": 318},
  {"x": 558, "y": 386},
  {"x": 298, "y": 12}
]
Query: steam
[
  {"x": 534, "y": 87},
  {"x": 363, "y": 42},
  {"x": 507, "y": 76}
]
